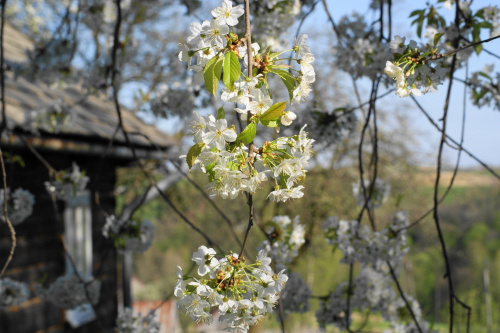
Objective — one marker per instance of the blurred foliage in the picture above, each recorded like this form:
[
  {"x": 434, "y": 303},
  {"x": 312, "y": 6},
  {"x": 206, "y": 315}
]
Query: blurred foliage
[{"x": 470, "y": 218}]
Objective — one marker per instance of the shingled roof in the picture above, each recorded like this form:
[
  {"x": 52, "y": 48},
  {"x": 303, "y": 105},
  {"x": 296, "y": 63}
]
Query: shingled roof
[{"x": 94, "y": 119}]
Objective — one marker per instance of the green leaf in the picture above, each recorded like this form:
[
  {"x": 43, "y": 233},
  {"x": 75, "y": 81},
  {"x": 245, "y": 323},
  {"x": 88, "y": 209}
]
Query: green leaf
[
  {"x": 485, "y": 75},
  {"x": 193, "y": 153},
  {"x": 416, "y": 20},
  {"x": 419, "y": 28},
  {"x": 475, "y": 34},
  {"x": 210, "y": 171},
  {"x": 283, "y": 178},
  {"x": 273, "y": 55},
  {"x": 232, "y": 70},
  {"x": 275, "y": 111},
  {"x": 232, "y": 166},
  {"x": 209, "y": 63},
  {"x": 479, "y": 13},
  {"x": 144, "y": 96},
  {"x": 442, "y": 21},
  {"x": 14, "y": 159},
  {"x": 248, "y": 134},
  {"x": 475, "y": 38},
  {"x": 220, "y": 113},
  {"x": 486, "y": 25},
  {"x": 270, "y": 123},
  {"x": 417, "y": 12},
  {"x": 481, "y": 93},
  {"x": 478, "y": 48},
  {"x": 437, "y": 37},
  {"x": 288, "y": 80},
  {"x": 212, "y": 73}
]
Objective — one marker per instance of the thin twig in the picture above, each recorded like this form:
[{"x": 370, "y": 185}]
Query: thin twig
[
  {"x": 366, "y": 205},
  {"x": 185, "y": 219},
  {"x": 457, "y": 163},
  {"x": 361, "y": 105},
  {"x": 401, "y": 293},
  {"x": 4, "y": 126},
  {"x": 448, "y": 274},
  {"x": 251, "y": 146},
  {"x": 2, "y": 75},
  {"x": 444, "y": 55},
  {"x": 6, "y": 217},
  {"x": 330, "y": 18},
  {"x": 453, "y": 140},
  {"x": 50, "y": 169},
  {"x": 224, "y": 216},
  {"x": 348, "y": 301},
  {"x": 389, "y": 11},
  {"x": 127, "y": 140},
  {"x": 212, "y": 203},
  {"x": 303, "y": 19}
]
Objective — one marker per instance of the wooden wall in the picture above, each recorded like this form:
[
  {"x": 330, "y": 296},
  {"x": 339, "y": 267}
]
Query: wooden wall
[{"x": 39, "y": 251}]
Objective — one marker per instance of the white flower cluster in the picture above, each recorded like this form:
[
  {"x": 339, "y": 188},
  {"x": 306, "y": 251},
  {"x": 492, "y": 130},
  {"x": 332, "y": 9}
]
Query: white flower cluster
[
  {"x": 307, "y": 74},
  {"x": 470, "y": 29},
  {"x": 68, "y": 183},
  {"x": 173, "y": 100},
  {"x": 379, "y": 195},
  {"x": 411, "y": 70},
  {"x": 243, "y": 293},
  {"x": 13, "y": 293},
  {"x": 372, "y": 290},
  {"x": 295, "y": 296},
  {"x": 331, "y": 128},
  {"x": 445, "y": 43},
  {"x": 19, "y": 205},
  {"x": 489, "y": 13},
  {"x": 218, "y": 149},
  {"x": 143, "y": 241},
  {"x": 68, "y": 292},
  {"x": 359, "y": 243},
  {"x": 52, "y": 118},
  {"x": 484, "y": 89},
  {"x": 209, "y": 37},
  {"x": 272, "y": 20},
  {"x": 128, "y": 323},
  {"x": 131, "y": 235},
  {"x": 359, "y": 51},
  {"x": 284, "y": 159},
  {"x": 285, "y": 237}
]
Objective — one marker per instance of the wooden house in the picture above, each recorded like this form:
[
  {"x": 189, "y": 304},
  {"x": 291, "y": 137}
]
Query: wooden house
[{"x": 87, "y": 141}]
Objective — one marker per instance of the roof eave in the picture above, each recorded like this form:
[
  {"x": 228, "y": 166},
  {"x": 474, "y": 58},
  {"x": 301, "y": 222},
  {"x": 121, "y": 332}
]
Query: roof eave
[{"x": 75, "y": 146}]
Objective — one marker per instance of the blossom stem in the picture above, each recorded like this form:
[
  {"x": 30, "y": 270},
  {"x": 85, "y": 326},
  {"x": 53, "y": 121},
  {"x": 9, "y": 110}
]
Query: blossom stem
[
  {"x": 444, "y": 55},
  {"x": 9, "y": 224},
  {"x": 251, "y": 146},
  {"x": 3, "y": 126}
]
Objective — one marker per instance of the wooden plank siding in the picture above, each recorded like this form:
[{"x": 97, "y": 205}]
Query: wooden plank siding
[{"x": 39, "y": 251}]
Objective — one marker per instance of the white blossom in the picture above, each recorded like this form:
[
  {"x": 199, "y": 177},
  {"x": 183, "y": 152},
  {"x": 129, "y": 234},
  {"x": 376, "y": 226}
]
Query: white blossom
[
  {"x": 214, "y": 33},
  {"x": 127, "y": 322},
  {"x": 244, "y": 293},
  {"x": 69, "y": 291},
  {"x": 68, "y": 183},
  {"x": 227, "y": 14},
  {"x": 13, "y": 293},
  {"x": 19, "y": 205}
]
